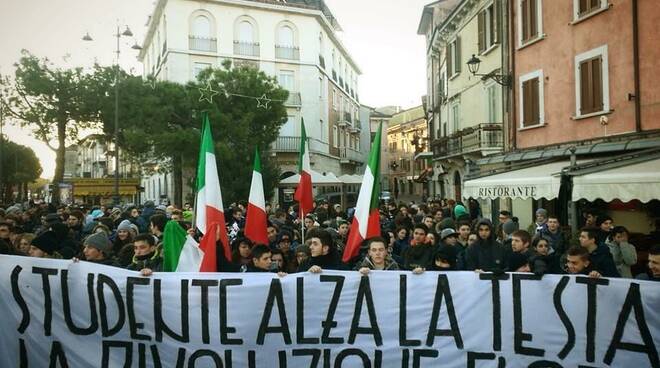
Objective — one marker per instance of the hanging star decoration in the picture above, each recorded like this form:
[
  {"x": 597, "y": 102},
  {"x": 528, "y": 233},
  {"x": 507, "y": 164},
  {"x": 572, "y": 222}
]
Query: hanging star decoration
[
  {"x": 263, "y": 101},
  {"x": 207, "y": 93}
]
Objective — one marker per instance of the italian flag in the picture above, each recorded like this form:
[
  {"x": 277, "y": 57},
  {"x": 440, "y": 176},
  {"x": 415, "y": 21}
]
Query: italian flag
[
  {"x": 209, "y": 215},
  {"x": 181, "y": 252},
  {"x": 304, "y": 190},
  {"x": 255, "y": 223},
  {"x": 366, "y": 223}
]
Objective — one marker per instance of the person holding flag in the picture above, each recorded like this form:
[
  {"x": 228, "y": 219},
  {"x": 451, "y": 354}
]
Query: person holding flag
[{"x": 366, "y": 221}]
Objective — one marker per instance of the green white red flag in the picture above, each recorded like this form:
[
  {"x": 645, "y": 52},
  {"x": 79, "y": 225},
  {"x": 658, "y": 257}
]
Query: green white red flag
[
  {"x": 303, "y": 194},
  {"x": 256, "y": 221},
  {"x": 366, "y": 222}
]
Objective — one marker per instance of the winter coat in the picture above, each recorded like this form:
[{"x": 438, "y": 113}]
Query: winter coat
[
  {"x": 624, "y": 255},
  {"x": 390, "y": 264},
  {"x": 418, "y": 256},
  {"x": 152, "y": 261},
  {"x": 541, "y": 265},
  {"x": 558, "y": 240},
  {"x": 328, "y": 261},
  {"x": 602, "y": 261},
  {"x": 487, "y": 255}
]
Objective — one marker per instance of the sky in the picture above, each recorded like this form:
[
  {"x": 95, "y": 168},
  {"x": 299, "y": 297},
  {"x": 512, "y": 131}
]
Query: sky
[{"x": 381, "y": 35}]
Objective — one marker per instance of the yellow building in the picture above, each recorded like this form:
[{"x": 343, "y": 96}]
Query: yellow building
[{"x": 406, "y": 138}]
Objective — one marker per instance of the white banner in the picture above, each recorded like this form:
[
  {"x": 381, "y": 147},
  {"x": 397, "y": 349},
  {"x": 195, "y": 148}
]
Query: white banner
[{"x": 58, "y": 313}]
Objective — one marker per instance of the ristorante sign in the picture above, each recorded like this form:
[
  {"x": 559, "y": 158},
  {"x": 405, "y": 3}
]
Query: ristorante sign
[
  {"x": 522, "y": 191},
  {"x": 63, "y": 314}
]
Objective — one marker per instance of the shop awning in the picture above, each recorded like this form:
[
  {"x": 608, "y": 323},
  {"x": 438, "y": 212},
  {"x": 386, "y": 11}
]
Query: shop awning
[
  {"x": 540, "y": 181},
  {"x": 639, "y": 181},
  {"x": 317, "y": 179}
]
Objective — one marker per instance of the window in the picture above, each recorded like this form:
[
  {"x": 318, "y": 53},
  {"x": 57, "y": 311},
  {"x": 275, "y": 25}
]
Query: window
[
  {"x": 592, "y": 82},
  {"x": 285, "y": 38},
  {"x": 453, "y": 52},
  {"x": 492, "y": 104},
  {"x": 335, "y": 136},
  {"x": 335, "y": 103},
  {"x": 584, "y": 8},
  {"x": 198, "y": 67},
  {"x": 530, "y": 21},
  {"x": 531, "y": 99},
  {"x": 456, "y": 117},
  {"x": 289, "y": 128},
  {"x": 489, "y": 27},
  {"x": 245, "y": 32},
  {"x": 201, "y": 27},
  {"x": 321, "y": 87},
  {"x": 286, "y": 80}
]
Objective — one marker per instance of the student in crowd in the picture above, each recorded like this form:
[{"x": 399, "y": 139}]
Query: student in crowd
[
  {"x": 97, "y": 248},
  {"x": 654, "y": 265},
  {"x": 324, "y": 255},
  {"x": 558, "y": 241},
  {"x": 486, "y": 254},
  {"x": 599, "y": 254},
  {"x": 378, "y": 258},
  {"x": 578, "y": 262},
  {"x": 146, "y": 258},
  {"x": 542, "y": 262},
  {"x": 420, "y": 253},
  {"x": 623, "y": 253}
]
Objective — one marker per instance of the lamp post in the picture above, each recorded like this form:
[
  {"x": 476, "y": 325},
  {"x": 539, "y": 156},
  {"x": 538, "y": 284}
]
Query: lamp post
[
  {"x": 501, "y": 79},
  {"x": 127, "y": 33}
]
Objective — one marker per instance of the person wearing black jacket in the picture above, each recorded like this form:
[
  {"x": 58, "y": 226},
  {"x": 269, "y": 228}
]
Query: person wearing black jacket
[
  {"x": 599, "y": 254},
  {"x": 578, "y": 263},
  {"x": 324, "y": 255},
  {"x": 486, "y": 254},
  {"x": 542, "y": 262}
]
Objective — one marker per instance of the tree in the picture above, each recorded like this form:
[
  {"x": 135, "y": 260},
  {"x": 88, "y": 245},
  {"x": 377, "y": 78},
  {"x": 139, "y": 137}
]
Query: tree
[
  {"x": 48, "y": 100},
  {"x": 20, "y": 166},
  {"x": 160, "y": 122}
]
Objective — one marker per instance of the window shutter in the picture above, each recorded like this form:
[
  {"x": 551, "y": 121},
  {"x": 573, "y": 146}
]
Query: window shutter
[
  {"x": 482, "y": 31},
  {"x": 448, "y": 57},
  {"x": 583, "y": 7},
  {"x": 535, "y": 104},
  {"x": 525, "y": 19},
  {"x": 586, "y": 96},
  {"x": 498, "y": 22},
  {"x": 457, "y": 51},
  {"x": 597, "y": 78},
  {"x": 526, "y": 103},
  {"x": 533, "y": 21}
]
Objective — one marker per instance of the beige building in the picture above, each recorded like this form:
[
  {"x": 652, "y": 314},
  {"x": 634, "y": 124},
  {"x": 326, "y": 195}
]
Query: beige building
[{"x": 407, "y": 137}]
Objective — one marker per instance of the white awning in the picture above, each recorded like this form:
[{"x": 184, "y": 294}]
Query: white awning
[
  {"x": 636, "y": 181},
  {"x": 351, "y": 179},
  {"x": 317, "y": 179},
  {"x": 541, "y": 181}
]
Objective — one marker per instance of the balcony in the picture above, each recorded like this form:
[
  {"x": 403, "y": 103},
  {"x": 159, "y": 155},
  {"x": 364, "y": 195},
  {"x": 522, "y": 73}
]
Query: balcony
[
  {"x": 287, "y": 52},
  {"x": 322, "y": 61},
  {"x": 294, "y": 100},
  {"x": 484, "y": 139},
  {"x": 345, "y": 119},
  {"x": 349, "y": 155},
  {"x": 246, "y": 48},
  {"x": 286, "y": 144},
  {"x": 357, "y": 127},
  {"x": 203, "y": 44}
]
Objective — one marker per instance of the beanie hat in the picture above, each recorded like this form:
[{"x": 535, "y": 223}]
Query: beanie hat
[
  {"x": 99, "y": 241},
  {"x": 149, "y": 204},
  {"x": 52, "y": 218},
  {"x": 97, "y": 213},
  {"x": 509, "y": 227},
  {"x": 447, "y": 233},
  {"x": 459, "y": 211},
  {"x": 542, "y": 212},
  {"x": 124, "y": 225},
  {"x": 46, "y": 241},
  {"x": 446, "y": 223}
]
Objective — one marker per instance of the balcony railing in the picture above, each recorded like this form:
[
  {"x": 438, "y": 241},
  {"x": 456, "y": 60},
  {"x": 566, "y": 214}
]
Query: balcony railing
[
  {"x": 322, "y": 61},
  {"x": 487, "y": 138},
  {"x": 292, "y": 144},
  {"x": 203, "y": 44},
  {"x": 287, "y": 52},
  {"x": 294, "y": 100},
  {"x": 347, "y": 155},
  {"x": 246, "y": 48}
]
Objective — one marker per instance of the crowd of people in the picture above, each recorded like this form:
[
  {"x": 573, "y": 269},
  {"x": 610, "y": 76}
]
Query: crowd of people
[{"x": 433, "y": 236}]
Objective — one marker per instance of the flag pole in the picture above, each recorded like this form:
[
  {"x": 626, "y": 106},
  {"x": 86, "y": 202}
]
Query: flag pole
[{"x": 302, "y": 225}]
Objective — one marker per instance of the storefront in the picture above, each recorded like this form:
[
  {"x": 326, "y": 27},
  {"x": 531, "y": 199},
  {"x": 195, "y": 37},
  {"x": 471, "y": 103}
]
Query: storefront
[{"x": 102, "y": 191}]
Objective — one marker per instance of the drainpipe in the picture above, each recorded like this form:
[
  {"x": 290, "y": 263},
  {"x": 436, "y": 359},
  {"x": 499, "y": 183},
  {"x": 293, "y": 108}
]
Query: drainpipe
[
  {"x": 512, "y": 79},
  {"x": 638, "y": 100}
]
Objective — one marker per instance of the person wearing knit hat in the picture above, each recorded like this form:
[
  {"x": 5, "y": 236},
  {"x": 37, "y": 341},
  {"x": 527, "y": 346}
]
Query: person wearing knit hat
[
  {"x": 446, "y": 223},
  {"x": 44, "y": 246},
  {"x": 124, "y": 235},
  {"x": 460, "y": 213},
  {"x": 97, "y": 248},
  {"x": 540, "y": 223}
]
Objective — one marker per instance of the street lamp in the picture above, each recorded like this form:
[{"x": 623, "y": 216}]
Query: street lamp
[
  {"x": 473, "y": 67},
  {"x": 127, "y": 33}
]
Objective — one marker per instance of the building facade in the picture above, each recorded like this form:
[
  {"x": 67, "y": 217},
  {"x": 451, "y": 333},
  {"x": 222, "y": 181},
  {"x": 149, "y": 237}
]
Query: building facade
[
  {"x": 465, "y": 111},
  {"x": 294, "y": 41},
  {"x": 407, "y": 133},
  {"x": 585, "y": 123}
]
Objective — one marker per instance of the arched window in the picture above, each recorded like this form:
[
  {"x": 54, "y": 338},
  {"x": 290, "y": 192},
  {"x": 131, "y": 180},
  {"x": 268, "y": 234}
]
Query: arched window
[
  {"x": 285, "y": 36},
  {"x": 201, "y": 27},
  {"x": 245, "y": 32}
]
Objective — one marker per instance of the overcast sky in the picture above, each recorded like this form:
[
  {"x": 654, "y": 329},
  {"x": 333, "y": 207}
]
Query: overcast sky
[{"x": 381, "y": 35}]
